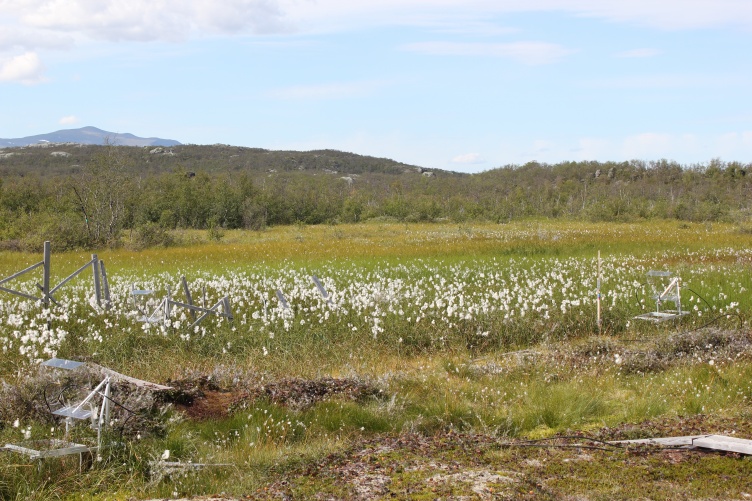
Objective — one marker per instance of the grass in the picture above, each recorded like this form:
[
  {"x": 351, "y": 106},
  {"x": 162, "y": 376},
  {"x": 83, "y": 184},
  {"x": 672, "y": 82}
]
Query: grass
[{"x": 452, "y": 388}]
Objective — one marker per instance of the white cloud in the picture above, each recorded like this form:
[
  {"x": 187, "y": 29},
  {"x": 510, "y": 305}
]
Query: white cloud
[
  {"x": 24, "y": 21},
  {"x": 647, "y": 145},
  {"x": 342, "y": 90},
  {"x": 69, "y": 120},
  {"x": 468, "y": 158},
  {"x": 17, "y": 37},
  {"x": 144, "y": 20},
  {"x": 665, "y": 14},
  {"x": 26, "y": 69},
  {"x": 662, "y": 14},
  {"x": 592, "y": 148},
  {"x": 543, "y": 146},
  {"x": 472, "y": 27},
  {"x": 639, "y": 53},
  {"x": 669, "y": 81},
  {"x": 734, "y": 145},
  {"x": 532, "y": 53}
]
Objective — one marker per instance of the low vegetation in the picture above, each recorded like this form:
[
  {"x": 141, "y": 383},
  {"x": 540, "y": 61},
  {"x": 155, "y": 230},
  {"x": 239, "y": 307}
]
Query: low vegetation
[{"x": 447, "y": 360}]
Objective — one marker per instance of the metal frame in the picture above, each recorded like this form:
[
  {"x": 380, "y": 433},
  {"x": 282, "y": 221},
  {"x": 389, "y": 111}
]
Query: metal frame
[
  {"x": 48, "y": 448},
  {"x": 324, "y": 294},
  {"x": 101, "y": 286},
  {"x": 665, "y": 288},
  {"x": 84, "y": 410},
  {"x": 162, "y": 312}
]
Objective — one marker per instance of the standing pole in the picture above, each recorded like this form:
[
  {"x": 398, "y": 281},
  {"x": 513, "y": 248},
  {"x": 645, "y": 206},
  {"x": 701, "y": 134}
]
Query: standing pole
[
  {"x": 598, "y": 292},
  {"x": 167, "y": 304},
  {"x": 46, "y": 277},
  {"x": 97, "y": 285},
  {"x": 105, "y": 285},
  {"x": 46, "y": 281}
]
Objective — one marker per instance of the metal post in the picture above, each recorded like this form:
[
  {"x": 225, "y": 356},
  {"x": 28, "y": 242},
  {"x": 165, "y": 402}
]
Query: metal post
[
  {"x": 46, "y": 278},
  {"x": 188, "y": 295},
  {"x": 106, "y": 286},
  {"x": 226, "y": 307},
  {"x": 168, "y": 301},
  {"x": 97, "y": 287},
  {"x": 600, "y": 324}
]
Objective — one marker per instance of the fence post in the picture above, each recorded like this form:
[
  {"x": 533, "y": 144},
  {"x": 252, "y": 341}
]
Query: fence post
[
  {"x": 106, "y": 285},
  {"x": 188, "y": 296},
  {"x": 46, "y": 277},
  {"x": 226, "y": 307},
  {"x": 97, "y": 286},
  {"x": 598, "y": 285},
  {"x": 168, "y": 304}
]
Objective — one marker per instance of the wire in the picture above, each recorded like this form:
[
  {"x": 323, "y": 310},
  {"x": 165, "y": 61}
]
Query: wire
[
  {"x": 607, "y": 446},
  {"x": 559, "y": 446},
  {"x": 698, "y": 295},
  {"x": 570, "y": 437},
  {"x": 741, "y": 322}
]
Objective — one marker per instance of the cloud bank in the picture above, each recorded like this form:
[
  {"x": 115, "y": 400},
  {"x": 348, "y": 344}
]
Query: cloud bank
[
  {"x": 173, "y": 20},
  {"x": 532, "y": 53},
  {"x": 25, "y": 68}
]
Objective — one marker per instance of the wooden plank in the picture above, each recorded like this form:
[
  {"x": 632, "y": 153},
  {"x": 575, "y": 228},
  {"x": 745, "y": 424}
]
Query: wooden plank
[{"x": 724, "y": 443}]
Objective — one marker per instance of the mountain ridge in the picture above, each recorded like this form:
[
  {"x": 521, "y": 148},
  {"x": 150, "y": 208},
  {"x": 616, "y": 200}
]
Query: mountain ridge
[{"x": 87, "y": 135}]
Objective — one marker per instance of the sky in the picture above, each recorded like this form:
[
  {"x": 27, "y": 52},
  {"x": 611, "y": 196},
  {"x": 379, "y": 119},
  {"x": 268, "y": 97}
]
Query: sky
[{"x": 463, "y": 85}]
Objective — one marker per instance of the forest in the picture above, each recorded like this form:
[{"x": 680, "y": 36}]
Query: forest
[{"x": 108, "y": 196}]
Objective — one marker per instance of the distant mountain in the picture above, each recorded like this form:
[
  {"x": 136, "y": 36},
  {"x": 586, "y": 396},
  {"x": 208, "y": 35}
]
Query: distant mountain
[{"x": 87, "y": 135}]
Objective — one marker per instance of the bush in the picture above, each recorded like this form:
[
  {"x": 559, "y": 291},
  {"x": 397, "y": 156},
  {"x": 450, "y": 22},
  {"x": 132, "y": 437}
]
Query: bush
[
  {"x": 150, "y": 235},
  {"x": 65, "y": 230}
]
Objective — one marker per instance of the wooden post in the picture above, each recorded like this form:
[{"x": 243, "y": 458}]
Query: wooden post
[
  {"x": 598, "y": 297},
  {"x": 188, "y": 295},
  {"x": 105, "y": 285},
  {"x": 97, "y": 285},
  {"x": 46, "y": 277}
]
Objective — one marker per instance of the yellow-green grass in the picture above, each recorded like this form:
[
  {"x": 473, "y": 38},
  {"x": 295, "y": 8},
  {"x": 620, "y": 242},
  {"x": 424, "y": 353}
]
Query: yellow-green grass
[
  {"x": 534, "y": 386},
  {"x": 374, "y": 241}
]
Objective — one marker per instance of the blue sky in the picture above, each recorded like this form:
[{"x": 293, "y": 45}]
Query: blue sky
[{"x": 463, "y": 85}]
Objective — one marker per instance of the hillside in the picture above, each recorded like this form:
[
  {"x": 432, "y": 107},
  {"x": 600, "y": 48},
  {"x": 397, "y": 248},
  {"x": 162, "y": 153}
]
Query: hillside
[
  {"x": 84, "y": 195},
  {"x": 66, "y": 158},
  {"x": 87, "y": 135}
]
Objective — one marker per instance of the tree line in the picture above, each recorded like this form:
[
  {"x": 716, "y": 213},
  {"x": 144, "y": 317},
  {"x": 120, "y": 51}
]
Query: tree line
[{"x": 114, "y": 195}]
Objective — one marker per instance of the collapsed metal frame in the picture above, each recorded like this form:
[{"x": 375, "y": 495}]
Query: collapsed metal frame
[
  {"x": 101, "y": 286},
  {"x": 284, "y": 303},
  {"x": 163, "y": 310},
  {"x": 99, "y": 415}
]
